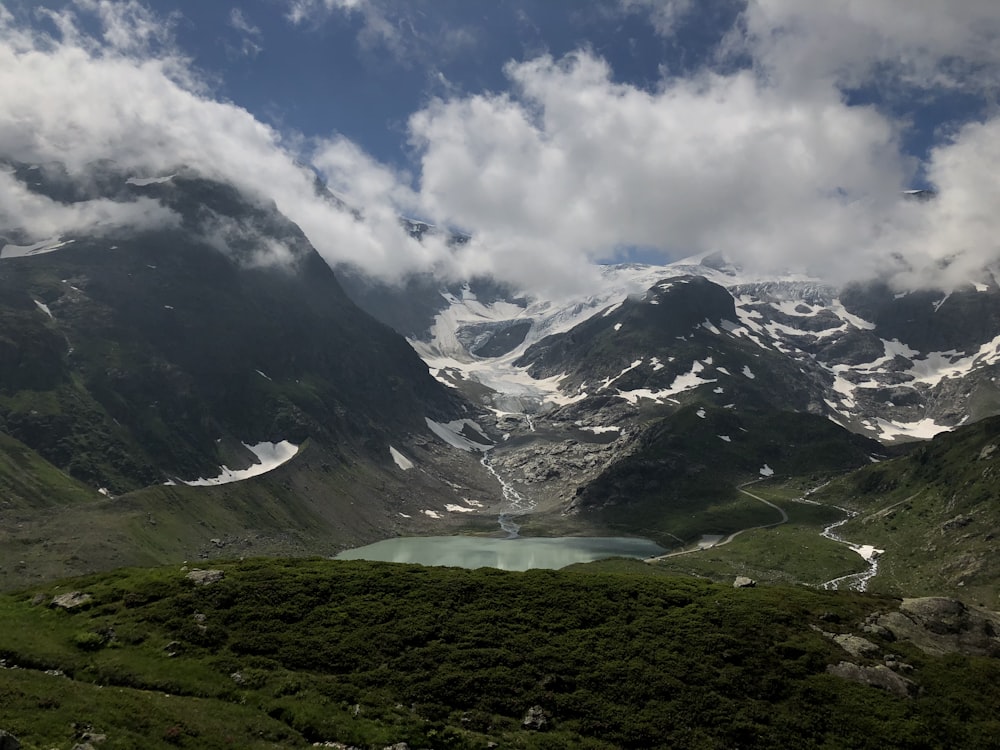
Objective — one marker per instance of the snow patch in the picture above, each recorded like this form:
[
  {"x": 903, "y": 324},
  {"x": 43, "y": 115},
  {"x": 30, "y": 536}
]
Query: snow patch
[
  {"x": 766, "y": 471},
  {"x": 401, "y": 461},
  {"x": 747, "y": 373},
  {"x": 431, "y": 513},
  {"x": 143, "y": 181},
  {"x": 725, "y": 438},
  {"x": 44, "y": 308},
  {"x": 618, "y": 326},
  {"x": 458, "y": 508},
  {"x": 269, "y": 457},
  {"x": 449, "y": 434},
  {"x": 38, "y": 248},
  {"x": 701, "y": 413}
]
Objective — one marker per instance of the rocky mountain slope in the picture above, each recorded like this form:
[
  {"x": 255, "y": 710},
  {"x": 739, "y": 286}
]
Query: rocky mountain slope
[{"x": 206, "y": 351}]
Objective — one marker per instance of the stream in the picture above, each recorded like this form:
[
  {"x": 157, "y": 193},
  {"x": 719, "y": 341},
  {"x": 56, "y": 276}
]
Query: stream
[
  {"x": 516, "y": 503},
  {"x": 855, "y": 581}
]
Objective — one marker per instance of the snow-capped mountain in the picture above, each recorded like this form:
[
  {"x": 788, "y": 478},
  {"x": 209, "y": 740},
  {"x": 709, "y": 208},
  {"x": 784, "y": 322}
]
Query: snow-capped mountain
[{"x": 887, "y": 364}]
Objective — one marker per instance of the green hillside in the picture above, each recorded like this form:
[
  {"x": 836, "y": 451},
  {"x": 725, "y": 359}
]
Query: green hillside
[
  {"x": 936, "y": 512},
  {"x": 284, "y": 653}
]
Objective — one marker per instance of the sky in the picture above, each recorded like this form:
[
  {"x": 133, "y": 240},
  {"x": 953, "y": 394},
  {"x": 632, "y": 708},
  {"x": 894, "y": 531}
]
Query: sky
[{"x": 557, "y": 133}]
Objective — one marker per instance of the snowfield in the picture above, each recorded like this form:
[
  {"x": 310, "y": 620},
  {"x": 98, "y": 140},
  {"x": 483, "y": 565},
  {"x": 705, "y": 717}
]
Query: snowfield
[{"x": 269, "y": 457}]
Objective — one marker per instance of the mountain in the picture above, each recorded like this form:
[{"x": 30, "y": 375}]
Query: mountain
[
  {"x": 137, "y": 367},
  {"x": 647, "y": 400}
]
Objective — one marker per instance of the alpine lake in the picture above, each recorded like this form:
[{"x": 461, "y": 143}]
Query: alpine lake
[{"x": 515, "y": 553}]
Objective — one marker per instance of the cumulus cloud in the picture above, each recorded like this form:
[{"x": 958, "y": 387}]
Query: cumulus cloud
[
  {"x": 577, "y": 165},
  {"x": 923, "y": 43},
  {"x": 34, "y": 217},
  {"x": 149, "y": 112},
  {"x": 770, "y": 163}
]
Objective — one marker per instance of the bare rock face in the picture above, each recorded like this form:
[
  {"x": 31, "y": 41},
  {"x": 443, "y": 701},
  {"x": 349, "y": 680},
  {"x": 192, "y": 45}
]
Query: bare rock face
[
  {"x": 937, "y": 625},
  {"x": 879, "y": 676},
  {"x": 71, "y": 600},
  {"x": 855, "y": 645},
  {"x": 8, "y": 741},
  {"x": 204, "y": 577},
  {"x": 536, "y": 718}
]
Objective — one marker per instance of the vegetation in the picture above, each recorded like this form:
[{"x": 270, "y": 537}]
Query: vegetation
[
  {"x": 934, "y": 512},
  {"x": 285, "y": 653}
]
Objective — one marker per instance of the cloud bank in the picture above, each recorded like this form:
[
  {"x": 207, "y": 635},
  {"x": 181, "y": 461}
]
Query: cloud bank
[{"x": 770, "y": 162}]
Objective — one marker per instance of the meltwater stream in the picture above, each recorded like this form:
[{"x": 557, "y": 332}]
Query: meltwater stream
[
  {"x": 855, "y": 581},
  {"x": 515, "y": 504}
]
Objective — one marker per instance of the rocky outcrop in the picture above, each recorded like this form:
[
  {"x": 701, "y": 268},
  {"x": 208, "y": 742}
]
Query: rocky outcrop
[
  {"x": 204, "y": 577},
  {"x": 742, "y": 582},
  {"x": 855, "y": 645},
  {"x": 878, "y": 676},
  {"x": 71, "y": 600},
  {"x": 937, "y": 625},
  {"x": 536, "y": 718}
]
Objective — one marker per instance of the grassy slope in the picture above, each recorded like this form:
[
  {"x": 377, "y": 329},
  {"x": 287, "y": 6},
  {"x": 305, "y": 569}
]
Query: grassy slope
[
  {"x": 283, "y": 653},
  {"x": 935, "y": 512},
  {"x": 682, "y": 480}
]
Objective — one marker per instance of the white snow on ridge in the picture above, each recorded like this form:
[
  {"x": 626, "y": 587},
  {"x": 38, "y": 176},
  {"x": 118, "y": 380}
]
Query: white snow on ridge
[
  {"x": 143, "y": 181},
  {"x": 685, "y": 382},
  {"x": 450, "y": 435},
  {"x": 923, "y": 429},
  {"x": 401, "y": 461},
  {"x": 599, "y": 430},
  {"x": 269, "y": 455},
  {"x": 38, "y": 248}
]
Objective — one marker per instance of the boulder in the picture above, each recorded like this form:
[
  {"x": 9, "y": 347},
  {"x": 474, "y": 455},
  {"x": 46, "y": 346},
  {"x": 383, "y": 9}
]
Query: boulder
[
  {"x": 880, "y": 676},
  {"x": 71, "y": 600},
  {"x": 742, "y": 582},
  {"x": 536, "y": 718},
  {"x": 855, "y": 645},
  {"x": 8, "y": 741},
  {"x": 204, "y": 577}
]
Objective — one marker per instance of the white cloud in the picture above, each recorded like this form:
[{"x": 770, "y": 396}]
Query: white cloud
[
  {"x": 578, "y": 164},
  {"x": 251, "y": 37},
  {"x": 38, "y": 217},
  {"x": 565, "y": 168},
  {"x": 918, "y": 42},
  {"x": 151, "y": 114},
  {"x": 663, "y": 14}
]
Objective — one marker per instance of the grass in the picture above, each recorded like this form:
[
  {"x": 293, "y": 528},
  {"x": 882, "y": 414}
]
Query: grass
[
  {"x": 934, "y": 512},
  {"x": 289, "y": 652}
]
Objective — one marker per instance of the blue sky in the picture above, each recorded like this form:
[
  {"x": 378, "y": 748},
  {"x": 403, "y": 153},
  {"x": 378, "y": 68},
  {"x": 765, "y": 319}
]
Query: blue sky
[{"x": 557, "y": 132}]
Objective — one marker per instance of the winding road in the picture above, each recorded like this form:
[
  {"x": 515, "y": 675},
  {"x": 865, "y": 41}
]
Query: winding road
[{"x": 728, "y": 539}]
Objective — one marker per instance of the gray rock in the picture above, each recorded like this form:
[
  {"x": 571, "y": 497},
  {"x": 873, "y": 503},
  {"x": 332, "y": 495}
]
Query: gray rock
[
  {"x": 940, "y": 626},
  {"x": 536, "y": 718},
  {"x": 204, "y": 577},
  {"x": 742, "y": 582},
  {"x": 397, "y": 746},
  {"x": 71, "y": 600},
  {"x": 8, "y": 741},
  {"x": 855, "y": 645},
  {"x": 880, "y": 676}
]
